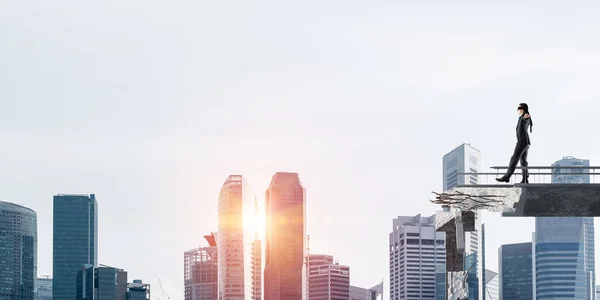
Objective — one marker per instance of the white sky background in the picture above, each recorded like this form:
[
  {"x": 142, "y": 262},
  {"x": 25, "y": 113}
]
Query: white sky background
[{"x": 152, "y": 104}]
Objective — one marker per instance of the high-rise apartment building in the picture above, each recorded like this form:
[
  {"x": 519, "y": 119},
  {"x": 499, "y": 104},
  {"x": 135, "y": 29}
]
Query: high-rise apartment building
[
  {"x": 98, "y": 283},
  {"x": 236, "y": 239},
  {"x": 43, "y": 288},
  {"x": 515, "y": 271},
  {"x": 18, "y": 251},
  {"x": 327, "y": 279},
  {"x": 201, "y": 271},
  {"x": 466, "y": 159},
  {"x": 415, "y": 250},
  {"x": 284, "y": 275},
  {"x": 564, "y": 246}
]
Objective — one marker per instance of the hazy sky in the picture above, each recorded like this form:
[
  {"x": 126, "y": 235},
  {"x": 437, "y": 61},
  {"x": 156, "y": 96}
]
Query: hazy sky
[{"x": 152, "y": 104}]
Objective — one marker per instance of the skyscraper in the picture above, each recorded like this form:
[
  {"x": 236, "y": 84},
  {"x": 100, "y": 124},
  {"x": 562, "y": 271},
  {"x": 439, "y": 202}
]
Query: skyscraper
[
  {"x": 327, "y": 279},
  {"x": 236, "y": 239},
  {"x": 564, "y": 246},
  {"x": 561, "y": 261},
  {"x": 257, "y": 269},
  {"x": 515, "y": 271},
  {"x": 201, "y": 271},
  {"x": 18, "y": 251},
  {"x": 563, "y": 175},
  {"x": 440, "y": 281},
  {"x": 415, "y": 250},
  {"x": 284, "y": 274},
  {"x": 463, "y": 159},
  {"x": 471, "y": 265},
  {"x": 466, "y": 159},
  {"x": 75, "y": 242}
]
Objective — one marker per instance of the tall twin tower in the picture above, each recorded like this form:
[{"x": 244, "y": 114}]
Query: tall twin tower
[{"x": 240, "y": 235}]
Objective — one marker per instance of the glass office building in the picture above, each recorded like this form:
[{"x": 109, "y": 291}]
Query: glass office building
[
  {"x": 101, "y": 283},
  {"x": 75, "y": 243},
  {"x": 475, "y": 279},
  {"x": 285, "y": 271},
  {"x": 138, "y": 290},
  {"x": 238, "y": 233},
  {"x": 471, "y": 269},
  {"x": 43, "y": 288},
  {"x": 440, "y": 281},
  {"x": 18, "y": 251},
  {"x": 564, "y": 246},
  {"x": 561, "y": 264},
  {"x": 516, "y": 271}
]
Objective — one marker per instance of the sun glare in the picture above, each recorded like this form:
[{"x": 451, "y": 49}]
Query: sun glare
[{"x": 254, "y": 219}]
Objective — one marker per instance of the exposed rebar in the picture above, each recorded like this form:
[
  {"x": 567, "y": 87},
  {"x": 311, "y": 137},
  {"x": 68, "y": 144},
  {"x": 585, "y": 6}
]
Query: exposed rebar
[{"x": 457, "y": 198}]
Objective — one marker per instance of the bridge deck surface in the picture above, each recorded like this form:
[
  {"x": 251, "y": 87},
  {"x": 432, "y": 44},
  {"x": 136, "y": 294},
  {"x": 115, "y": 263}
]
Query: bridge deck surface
[{"x": 529, "y": 200}]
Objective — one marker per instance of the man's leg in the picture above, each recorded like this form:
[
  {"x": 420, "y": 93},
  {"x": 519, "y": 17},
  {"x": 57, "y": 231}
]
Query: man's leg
[
  {"x": 513, "y": 162},
  {"x": 524, "y": 163}
]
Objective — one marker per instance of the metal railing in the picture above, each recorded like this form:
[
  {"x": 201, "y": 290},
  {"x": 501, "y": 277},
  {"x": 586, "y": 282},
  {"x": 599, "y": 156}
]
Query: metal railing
[{"x": 541, "y": 174}]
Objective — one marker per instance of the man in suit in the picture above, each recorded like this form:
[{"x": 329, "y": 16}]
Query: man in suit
[{"x": 522, "y": 146}]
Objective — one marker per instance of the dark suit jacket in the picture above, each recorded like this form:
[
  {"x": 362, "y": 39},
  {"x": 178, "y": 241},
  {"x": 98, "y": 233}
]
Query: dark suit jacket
[{"x": 522, "y": 134}]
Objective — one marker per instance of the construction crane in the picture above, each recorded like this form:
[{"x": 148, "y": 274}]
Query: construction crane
[{"x": 162, "y": 291}]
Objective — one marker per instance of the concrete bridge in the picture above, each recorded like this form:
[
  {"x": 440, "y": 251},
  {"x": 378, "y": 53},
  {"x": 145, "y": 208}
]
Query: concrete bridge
[{"x": 536, "y": 199}]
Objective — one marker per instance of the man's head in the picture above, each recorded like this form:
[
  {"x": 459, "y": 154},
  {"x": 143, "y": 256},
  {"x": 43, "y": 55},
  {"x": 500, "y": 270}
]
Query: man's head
[{"x": 523, "y": 108}]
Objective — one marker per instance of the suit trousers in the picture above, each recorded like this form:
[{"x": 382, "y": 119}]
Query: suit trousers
[{"x": 520, "y": 155}]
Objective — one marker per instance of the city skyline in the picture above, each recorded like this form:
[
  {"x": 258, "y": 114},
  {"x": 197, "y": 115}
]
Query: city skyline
[
  {"x": 151, "y": 105},
  {"x": 209, "y": 237}
]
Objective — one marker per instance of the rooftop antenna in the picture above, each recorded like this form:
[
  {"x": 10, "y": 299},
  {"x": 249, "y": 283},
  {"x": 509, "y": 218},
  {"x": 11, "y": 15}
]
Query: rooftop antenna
[{"x": 256, "y": 225}]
